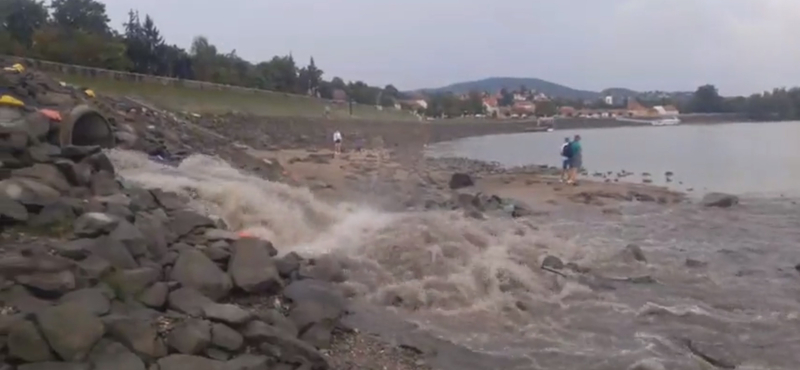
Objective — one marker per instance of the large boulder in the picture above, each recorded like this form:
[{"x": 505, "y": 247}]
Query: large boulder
[
  {"x": 252, "y": 268},
  {"x": 138, "y": 334},
  {"x": 188, "y": 362},
  {"x": 191, "y": 337},
  {"x": 195, "y": 270},
  {"x": 71, "y": 330},
  {"x": 460, "y": 180},
  {"x": 720, "y": 200},
  {"x": 44, "y": 173},
  {"x": 110, "y": 355},
  {"x": 27, "y": 344}
]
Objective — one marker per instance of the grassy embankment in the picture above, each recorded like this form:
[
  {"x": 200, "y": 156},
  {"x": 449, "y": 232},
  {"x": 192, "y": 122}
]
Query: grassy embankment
[{"x": 218, "y": 102}]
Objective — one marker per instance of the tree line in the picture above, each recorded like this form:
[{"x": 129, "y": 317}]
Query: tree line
[
  {"x": 78, "y": 32},
  {"x": 780, "y": 104}
]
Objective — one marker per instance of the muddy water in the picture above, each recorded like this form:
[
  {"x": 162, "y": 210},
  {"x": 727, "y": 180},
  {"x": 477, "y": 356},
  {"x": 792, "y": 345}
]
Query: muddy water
[
  {"x": 751, "y": 158},
  {"x": 473, "y": 291}
]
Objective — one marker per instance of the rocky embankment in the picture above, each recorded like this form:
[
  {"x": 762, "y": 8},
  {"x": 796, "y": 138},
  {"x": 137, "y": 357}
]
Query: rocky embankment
[{"x": 96, "y": 273}]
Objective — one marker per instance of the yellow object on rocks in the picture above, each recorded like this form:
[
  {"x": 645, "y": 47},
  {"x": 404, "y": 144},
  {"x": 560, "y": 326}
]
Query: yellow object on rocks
[
  {"x": 89, "y": 93},
  {"x": 16, "y": 68},
  {"x": 12, "y": 101}
]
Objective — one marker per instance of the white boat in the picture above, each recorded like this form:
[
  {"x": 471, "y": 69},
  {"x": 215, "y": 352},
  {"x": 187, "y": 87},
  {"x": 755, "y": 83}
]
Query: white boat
[{"x": 666, "y": 121}]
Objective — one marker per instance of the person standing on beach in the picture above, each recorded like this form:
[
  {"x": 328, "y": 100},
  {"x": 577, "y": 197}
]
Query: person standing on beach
[
  {"x": 576, "y": 160},
  {"x": 566, "y": 153},
  {"x": 337, "y": 142}
]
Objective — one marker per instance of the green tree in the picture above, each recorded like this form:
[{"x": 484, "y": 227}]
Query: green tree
[
  {"x": 81, "y": 15},
  {"x": 21, "y": 18},
  {"x": 706, "y": 100},
  {"x": 506, "y": 98}
]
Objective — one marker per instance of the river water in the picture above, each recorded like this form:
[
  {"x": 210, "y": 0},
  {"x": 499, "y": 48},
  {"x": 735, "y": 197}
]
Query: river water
[
  {"x": 743, "y": 158},
  {"x": 721, "y": 279}
]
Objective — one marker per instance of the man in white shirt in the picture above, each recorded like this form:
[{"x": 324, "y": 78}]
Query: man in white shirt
[{"x": 337, "y": 142}]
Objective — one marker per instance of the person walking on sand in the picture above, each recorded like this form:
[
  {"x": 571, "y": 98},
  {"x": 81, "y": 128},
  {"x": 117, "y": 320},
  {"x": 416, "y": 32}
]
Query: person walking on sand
[
  {"x": 566, "y": 153},
  {"x": 337, "y": 142},
  {"x": 576, "y": 160}
]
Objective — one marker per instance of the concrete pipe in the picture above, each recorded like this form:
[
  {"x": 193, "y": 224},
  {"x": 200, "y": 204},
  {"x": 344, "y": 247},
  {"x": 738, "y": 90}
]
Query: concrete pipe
[{"x": 86, "y": 126}]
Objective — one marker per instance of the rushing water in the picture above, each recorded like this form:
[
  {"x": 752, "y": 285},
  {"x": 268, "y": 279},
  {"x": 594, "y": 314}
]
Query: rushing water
[
  {"x": 478, "y": 285},
  {"x": 742, "y": 158}
]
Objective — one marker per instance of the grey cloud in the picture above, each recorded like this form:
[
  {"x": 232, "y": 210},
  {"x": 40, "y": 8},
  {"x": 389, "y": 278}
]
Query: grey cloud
[{"x": 742, "y": 46}]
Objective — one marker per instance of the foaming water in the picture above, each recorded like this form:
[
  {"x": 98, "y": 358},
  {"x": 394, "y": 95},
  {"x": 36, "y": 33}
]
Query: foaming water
[{"x": 478, "y": 283}]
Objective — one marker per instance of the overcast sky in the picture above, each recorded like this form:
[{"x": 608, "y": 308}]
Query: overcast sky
[{"x": 742, "y": 46}]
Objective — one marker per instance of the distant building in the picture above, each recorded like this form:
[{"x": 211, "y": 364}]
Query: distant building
[
  {"x": 490, "y": 105},
  {"x": 609, "y": 100}
]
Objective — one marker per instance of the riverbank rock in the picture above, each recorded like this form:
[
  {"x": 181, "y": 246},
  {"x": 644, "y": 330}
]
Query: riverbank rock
[
  {"x": 460, "y": 180},
  {"x": 720, "y": 200},
  {"x": 124, "y": 278}
]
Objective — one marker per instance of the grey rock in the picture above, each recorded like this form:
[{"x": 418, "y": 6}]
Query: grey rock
[
  {"x": 218, "y": 354},
  {"x": 77, "y": 249},
  {"x": 93, "y": 299},
  {"x": 290, "y": 348},
  {"x": 49, "y": 283},
  {"x": 553, "y": 262},
  {"x": 130, "y": 283},
  {"x": 170, "y": 201},
  {"x": 189, "y": 301},
  {"x": 188, "y": 362},
  {"x": 79, "y": 152},
  {"x": 720, "y": 200},
  {"x": 11, "y": 210},
  {"x": 131, "y": 238},
  {"x": 634, "y": 252},
  {"x": 224, "y": 337},
  {"x": 185, "y": 221},
  {"x": 70, "y": 172},
  {"x": 276, "y": 319},
  {"x": 218, "y": 252},
  {"x": 71, "y": 330},
  {"x": 219, "y": 234},
  {"x": 190, "y": 337},
  {"x": 19, "y": 297},
  {"x": 103, "y": 183},
  {"x": 44, "y": 153},
  {"x": 154, "y": 230},
  {"x": 27, "y": 344},
  {"x": 46, "y": 174},
  {"x": 324, "y": 268},
  {"x": 59, "y": 212},
  {"x": 319, "y": 334},
  {"x": 93, "y": 267},
  {"x": 288, "y": 264},
  {"x": 314, "y": 301},
  {"x": 114, "y": 252},
  {"x": 137, "y": 334},
  {"x": 193, "y": 269},
  {"x": 252, "y": 268},
  {"x": 110, "y": 355},
  {"x": 460, "y": 180},
  {"x": 250, "y": 362},
  {"x": 54, "y": 366},
  {"x": 31, "y": 193},
  {"x": 693, "y": 263},
  {"x": 227, "y": 313},
  {"x": 155, "y": 296},
  {"x": 141, "y": 199},
  {"x": 94, "y": 224},
  {"x": 100, "y": 162}
]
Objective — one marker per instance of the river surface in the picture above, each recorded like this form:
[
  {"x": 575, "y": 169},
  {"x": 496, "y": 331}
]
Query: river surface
[{"x": 742, "y": 158}]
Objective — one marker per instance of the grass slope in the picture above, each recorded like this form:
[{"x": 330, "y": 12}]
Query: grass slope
[{"x": 218, "y": 101}]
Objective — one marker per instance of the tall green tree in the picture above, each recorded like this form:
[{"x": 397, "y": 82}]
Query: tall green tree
[
  {"x": 21, "y": 18},
  {"x": 81, "y": 15},
  {"x": 707, "y": 100}
]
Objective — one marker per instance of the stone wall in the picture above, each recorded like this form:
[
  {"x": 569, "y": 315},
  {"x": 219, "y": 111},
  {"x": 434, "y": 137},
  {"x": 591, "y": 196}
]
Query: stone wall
[{"x": 99, "y": 73}]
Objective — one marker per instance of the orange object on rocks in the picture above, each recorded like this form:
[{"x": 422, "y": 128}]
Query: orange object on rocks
[
  {"x": 245, "y": 234},
  {"x": 53, "y": 115}
]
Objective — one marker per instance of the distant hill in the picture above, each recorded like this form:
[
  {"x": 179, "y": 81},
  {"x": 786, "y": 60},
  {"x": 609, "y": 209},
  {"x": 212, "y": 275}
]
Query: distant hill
[{"x": 493, "y": 84}]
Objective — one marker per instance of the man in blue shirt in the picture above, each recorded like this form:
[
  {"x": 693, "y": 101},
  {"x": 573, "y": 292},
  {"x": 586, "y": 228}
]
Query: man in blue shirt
[{"x": 576, "y": 160}]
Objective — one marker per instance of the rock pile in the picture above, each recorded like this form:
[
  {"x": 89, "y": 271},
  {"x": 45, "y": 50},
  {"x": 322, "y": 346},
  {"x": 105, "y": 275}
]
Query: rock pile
[{"x": 120, "y": 277}]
